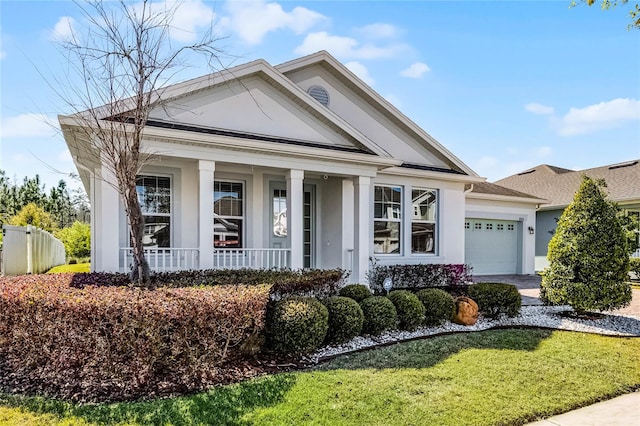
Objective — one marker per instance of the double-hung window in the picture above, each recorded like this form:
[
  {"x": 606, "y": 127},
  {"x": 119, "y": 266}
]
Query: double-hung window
[
  {"x": 154, "y": 196},
  {"x": 387, "y": 227},
  {"x": 228, "y": 214},
  {"x": 424, "y": 205}
]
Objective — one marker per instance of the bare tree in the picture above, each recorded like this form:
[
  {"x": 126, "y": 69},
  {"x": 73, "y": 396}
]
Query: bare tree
[{"x": 123, "y": 60}]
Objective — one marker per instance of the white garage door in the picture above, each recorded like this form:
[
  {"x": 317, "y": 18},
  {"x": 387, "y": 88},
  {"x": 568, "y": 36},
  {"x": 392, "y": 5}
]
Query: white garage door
[{"x": 491, "y": 246}]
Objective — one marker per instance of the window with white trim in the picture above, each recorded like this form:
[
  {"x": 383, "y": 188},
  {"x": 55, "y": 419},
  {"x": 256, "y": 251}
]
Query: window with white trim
[
  {"x": 154, "y": 196},
  {"x": 424, "y": 204},
  {"x": 228, "y": 214},
  {"x": 387, "y": 225}
]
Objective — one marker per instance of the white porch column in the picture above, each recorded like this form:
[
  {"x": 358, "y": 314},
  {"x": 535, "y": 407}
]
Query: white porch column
[
  {"x": 348, "y": 215},
  {"x": 294, "y": 216},
  {"x": 107, "y": 253},
  {"x": 206, "y": 170},
  {"x": 257, "y": 215},
  {"x": 362, "y": 225}
]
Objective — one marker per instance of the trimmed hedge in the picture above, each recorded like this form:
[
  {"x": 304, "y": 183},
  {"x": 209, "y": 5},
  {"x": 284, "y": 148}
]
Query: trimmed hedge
[
  {"x": 416, "y": 277},
  {"x": 379, "y": 315},
  {"x": 345, "y": 319},
  {"x": 313, "y": 282},
  {"x": 495, "y": 299},
  {"x": 99, "y": 343},
  {"x": 438, "y": 304},
  {"x": 409, "y": 309},
  {"x": 357, "y": 292},
  {"x": 296, "y": 325}
]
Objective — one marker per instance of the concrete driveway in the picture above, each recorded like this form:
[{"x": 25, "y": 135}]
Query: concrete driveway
[{"x": 529, "y": 288}]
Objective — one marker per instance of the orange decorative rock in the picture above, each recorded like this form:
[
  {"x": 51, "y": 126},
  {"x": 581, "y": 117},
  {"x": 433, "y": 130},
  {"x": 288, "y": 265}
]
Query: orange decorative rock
[{"x": 466, "y": 311}]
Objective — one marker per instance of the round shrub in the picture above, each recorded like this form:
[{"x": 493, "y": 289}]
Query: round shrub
[
  {"x": 357, "y": 292},
  {"x": 379, "y": 314},
  {"x": 409, "y": 309},
  {"x": 345, "y": 319},
  {"x": 296, "y": 325},
  {"x": 438, "y": 305},
  {"x": 495, "y": 299}
]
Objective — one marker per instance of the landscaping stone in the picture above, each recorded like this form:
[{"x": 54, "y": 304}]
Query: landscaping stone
[{"x": 466, "y": 311}]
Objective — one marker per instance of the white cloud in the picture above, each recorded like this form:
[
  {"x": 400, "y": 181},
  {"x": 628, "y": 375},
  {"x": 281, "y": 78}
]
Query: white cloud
[
  {"x": 63, "y": 30},
  {"x": 605, "y": 115},
  {"x": 378, "y": 31},
  {"x": 539, "y": 109},
  {"x": 361, "y": 71},
  {"x": 28, "y": 126},
  {"x": 251, "y": 21},
  {"x": 190, "y": 16},
  {"x": 346, "y": 47},
  {"x": 415, "y": 70}
]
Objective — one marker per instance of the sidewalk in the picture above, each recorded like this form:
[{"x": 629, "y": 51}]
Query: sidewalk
[{"x": 621, "y": 411}]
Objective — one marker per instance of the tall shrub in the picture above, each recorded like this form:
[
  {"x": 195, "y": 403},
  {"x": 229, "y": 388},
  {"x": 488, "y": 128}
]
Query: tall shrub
[{"x": 588, "y": 256}]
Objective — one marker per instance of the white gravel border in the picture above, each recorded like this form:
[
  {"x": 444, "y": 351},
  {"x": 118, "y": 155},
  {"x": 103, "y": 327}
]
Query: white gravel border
[{"x": 533, "y": 316}]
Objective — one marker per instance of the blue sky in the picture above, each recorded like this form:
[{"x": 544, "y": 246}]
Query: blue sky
[{"x": 504, "y": 85}]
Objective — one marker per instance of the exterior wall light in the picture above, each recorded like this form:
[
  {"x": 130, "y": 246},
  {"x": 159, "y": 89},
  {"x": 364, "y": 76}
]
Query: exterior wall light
[{"x": 531, "y": 230}]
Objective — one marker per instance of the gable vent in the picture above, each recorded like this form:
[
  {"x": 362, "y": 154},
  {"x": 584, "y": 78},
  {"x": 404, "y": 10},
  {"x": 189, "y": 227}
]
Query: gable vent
[{"x": 320, "y": 94}]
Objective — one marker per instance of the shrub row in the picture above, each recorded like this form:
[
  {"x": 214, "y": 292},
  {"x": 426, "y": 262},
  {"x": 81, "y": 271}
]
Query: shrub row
[
  {"x": 120, "y": 342},
  {"x": 314, "y": 282},
  {"x": 416, "y": 277}
]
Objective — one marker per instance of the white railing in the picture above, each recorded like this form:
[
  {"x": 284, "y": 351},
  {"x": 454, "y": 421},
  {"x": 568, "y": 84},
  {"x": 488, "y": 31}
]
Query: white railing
[
  {"x": 636, "y": 253},
  {"x": 30, "y": 250},
  {"x": 165, "y": 259},
  {"x": 252, "y": 258}
]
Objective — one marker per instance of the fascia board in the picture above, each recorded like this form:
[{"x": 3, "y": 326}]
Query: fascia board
[
  {"x": 509, "y": 198},
  {"x": 393, "y": 111},
  {"x": 452, "y": 177}
]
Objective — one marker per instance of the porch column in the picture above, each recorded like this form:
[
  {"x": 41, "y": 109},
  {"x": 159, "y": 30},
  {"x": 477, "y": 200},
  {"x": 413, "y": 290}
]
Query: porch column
[
  {"x": 348, "y": 215},
  {"x": 294, "y": 217},
  {"x": 107, "y": 211},
  {"x": 205, "y": 213},
  {"x": 362, "y": 225},
  {"x": 257, "y": 216}
]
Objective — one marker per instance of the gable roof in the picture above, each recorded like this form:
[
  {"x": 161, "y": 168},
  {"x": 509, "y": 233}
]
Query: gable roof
[
  {"x": 491, "y": 191},
  {"x": 559, "y": 185}
]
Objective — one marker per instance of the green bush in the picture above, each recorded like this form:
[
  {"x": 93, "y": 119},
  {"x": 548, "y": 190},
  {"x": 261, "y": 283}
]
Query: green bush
[
  {"x": 495, "y": 299},
  {"x": 345, "y": 319},
  {"x": 634, "y": 266},
  {"x": 438, "y": 305},
  {"x": 379, "y": 315},
  {"x": 357, "y": 292},
  {"x": 76, "y": 239},
  {"x": 409, "y": 309},
  {"x": 588, "y": 254},
  {"x": 296, "y": 325}
]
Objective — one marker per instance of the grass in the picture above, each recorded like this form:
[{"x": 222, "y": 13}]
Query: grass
[
  {"x": 488, "y": 378},
  {"x": 78, "y": 267}
]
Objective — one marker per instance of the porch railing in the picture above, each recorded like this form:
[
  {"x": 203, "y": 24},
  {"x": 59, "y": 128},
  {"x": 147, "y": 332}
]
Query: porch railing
[
  {"x": 263, "y": 258},
  {"x": 165, "y": 259}
]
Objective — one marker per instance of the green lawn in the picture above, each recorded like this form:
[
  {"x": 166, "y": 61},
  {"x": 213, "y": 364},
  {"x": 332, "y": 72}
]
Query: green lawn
[
  {"x": 488, "y": 378},
  {"x": 78, "y": 267}
]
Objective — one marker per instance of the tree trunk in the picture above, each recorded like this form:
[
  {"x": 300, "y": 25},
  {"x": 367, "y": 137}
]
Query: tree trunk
[{"x": 140, "y": 267}]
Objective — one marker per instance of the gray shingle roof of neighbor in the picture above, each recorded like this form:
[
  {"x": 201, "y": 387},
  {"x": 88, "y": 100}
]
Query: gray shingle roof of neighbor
[
  {"x": 493, "y": 189},
  {"x": 559, "y": 185}
]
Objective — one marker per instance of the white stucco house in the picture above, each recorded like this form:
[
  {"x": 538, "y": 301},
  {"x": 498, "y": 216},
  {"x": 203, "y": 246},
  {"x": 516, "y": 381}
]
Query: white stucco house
[{"x": 300, "y": 165}]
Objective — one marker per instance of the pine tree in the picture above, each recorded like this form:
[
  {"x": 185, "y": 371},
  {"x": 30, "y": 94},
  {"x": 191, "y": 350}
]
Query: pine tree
[{"x": 588, "y": 255}]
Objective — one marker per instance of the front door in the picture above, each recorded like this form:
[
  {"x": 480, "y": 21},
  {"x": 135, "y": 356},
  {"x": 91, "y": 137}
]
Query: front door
[{"x": 278, "y": 220}]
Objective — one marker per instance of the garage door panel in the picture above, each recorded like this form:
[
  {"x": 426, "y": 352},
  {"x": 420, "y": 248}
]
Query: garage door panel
[{"x": 491, "y": 246}]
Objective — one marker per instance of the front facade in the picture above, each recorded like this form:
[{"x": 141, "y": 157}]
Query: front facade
[
  {"x": 557, "y": 186},
  {"x": 301, "y": 165}
]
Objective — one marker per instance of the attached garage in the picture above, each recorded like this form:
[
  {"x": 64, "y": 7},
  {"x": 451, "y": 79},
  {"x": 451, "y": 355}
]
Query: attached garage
[
  {"x": 499, "y": 230},
  {"x": 491, "y": 246}
]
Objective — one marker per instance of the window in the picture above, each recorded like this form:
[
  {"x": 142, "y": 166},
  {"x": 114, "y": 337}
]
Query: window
[
  {"x": 423, "y": 222},
  {"x": 467, "y": 225},
  {"x": 477, "y": 225},
  {"x": 500, "y": 227},
  {"x": 387, "y": 207},
  {"x": 154, "y": 196},
  {"x": 510, "y": 228},
  {"x": 280, "y": 212},
  {"x": 228, "y": 214},
  {"x": 489, "y": 226}
]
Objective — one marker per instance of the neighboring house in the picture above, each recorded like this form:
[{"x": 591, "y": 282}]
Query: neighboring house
[
  {"x": 299, "y": 165},
  {"x": 558, "y": 186}
]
